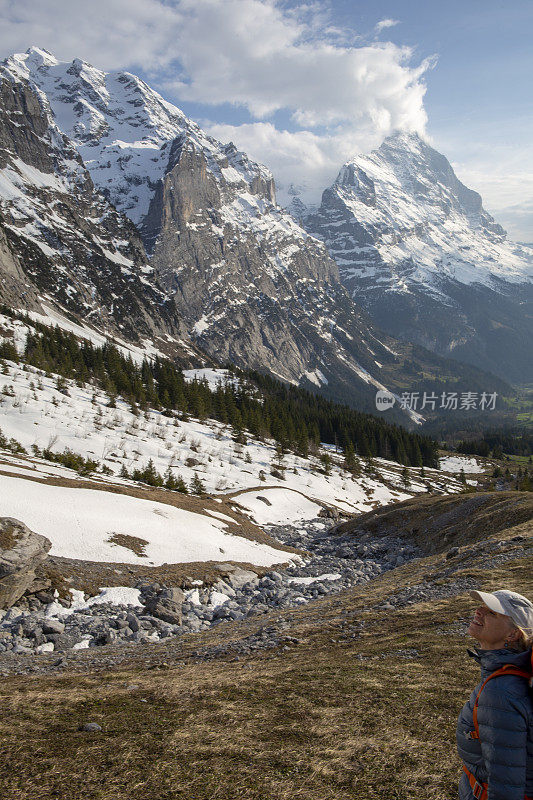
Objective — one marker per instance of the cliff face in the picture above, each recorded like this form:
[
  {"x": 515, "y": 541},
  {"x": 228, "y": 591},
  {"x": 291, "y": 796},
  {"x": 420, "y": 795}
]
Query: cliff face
[
  {"x": 62, "y": 241},
  {"x": 250, "y": 284}
]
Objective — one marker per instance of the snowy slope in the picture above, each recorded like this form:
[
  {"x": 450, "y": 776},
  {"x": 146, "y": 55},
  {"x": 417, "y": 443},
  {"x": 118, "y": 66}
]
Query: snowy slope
[
  {"x": 34, "y": 412},
  {"x": 81, "y": 523}
]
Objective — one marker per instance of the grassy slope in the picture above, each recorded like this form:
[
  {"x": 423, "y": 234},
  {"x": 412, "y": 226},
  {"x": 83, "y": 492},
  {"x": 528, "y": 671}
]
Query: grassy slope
[{"x": 340, "y": 716}]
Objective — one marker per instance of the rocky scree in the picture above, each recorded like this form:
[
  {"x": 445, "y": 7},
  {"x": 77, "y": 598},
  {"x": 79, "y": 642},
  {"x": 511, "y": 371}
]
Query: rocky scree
[{"x": 43, "y": 623}]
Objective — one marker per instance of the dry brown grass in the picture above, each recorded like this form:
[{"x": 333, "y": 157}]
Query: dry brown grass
[
  {"x": 7, "y": 537},
  {"x": 133, "y": 543},
  {"x": 340, "y": 716},
  {"x": 441, "y": 522}
]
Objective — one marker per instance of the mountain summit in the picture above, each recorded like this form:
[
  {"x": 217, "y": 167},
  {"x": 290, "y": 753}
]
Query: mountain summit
[{"x": 418, "y": 250}]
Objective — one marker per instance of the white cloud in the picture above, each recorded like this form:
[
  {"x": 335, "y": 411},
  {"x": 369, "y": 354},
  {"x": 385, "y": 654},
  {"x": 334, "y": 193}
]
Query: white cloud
[
  {"x": 340, "y": 94},
  {"x": 252, "y": 53},
  {"x": 111, "y": 34},
  {"x": 305, "y": 160},
  {"x": 386, "y": 23},
  {"x": 506, "y": 188}
]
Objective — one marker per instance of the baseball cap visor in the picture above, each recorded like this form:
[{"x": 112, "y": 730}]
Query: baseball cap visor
[{"x": 490, "y": 601}]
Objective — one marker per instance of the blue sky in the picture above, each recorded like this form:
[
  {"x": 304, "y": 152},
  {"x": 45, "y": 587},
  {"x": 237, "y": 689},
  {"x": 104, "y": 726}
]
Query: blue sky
[{"x": 302, "y": 87}]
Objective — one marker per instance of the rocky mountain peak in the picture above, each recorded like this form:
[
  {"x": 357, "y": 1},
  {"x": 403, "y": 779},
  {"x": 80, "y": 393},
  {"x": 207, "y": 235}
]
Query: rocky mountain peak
[
  {"x": 408, "y": 236},
  {"x": 123, "y": 130}
]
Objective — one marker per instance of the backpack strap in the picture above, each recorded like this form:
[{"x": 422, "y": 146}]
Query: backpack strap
[
  {"x": 481, "y": 790},
  {"x": 506, "y": 670}
]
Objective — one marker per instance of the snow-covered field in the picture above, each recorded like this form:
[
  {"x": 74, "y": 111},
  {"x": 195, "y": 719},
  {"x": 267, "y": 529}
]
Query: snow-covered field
[
  {"x": 34, "y": 412},
  {"x": 458, "y": 463},
  {"x": 277, "y": 506},
  {"x": 82, "y": 523}
]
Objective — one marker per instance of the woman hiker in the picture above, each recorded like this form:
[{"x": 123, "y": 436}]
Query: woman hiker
[{"x": 495, "y": 727}]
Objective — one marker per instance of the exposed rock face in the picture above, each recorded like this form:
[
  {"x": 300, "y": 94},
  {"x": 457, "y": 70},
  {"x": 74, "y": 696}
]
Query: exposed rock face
[
  {"x": 417, "y": 249},
  {"x": 61, "y": 239},
  {"x": 250, "y": 284},
  {"x": 21, "y": 551},
  {"x": 166, "y": 605}
]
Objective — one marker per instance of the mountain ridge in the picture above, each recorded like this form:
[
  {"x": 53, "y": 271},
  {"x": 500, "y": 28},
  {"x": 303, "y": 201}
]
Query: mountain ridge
[{"x": 416, "y": 248}]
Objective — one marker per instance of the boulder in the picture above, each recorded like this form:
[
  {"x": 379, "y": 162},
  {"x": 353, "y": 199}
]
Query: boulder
[
  {"x": 239, "y": 577},
  {"x": 53, "y": 626},
  {"x": 21, "y": 552},
  {"x": 167, "y": 605}
]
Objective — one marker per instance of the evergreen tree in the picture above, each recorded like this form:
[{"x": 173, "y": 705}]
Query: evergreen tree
[
  {"x": 197, "y": 485},
  {"x": 148, "y": 475},
  {"x": 325, "y": 460},
  {"x": 170, "y": 481},
  {"x": 349, "y": 457}
]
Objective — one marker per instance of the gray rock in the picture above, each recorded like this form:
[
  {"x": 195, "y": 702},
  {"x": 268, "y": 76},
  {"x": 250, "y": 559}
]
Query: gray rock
[
  {"x": 21, "y": 648},
  {"x": 192, "y": 622},
  {"x": 21, "y": 551},
  {"x": 90, "y": 727},
  {"x": 225, "y": 588},
  {"x": 53, "y": 626},
  {"x": 133, "y": 622},
  {"x": 239, "y": 577},
  {"x": 168, "y": 611}
]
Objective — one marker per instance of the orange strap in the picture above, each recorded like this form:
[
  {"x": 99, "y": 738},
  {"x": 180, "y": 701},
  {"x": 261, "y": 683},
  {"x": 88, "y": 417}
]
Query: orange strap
[
  {"x": 507, "y": 670},
  {"x": 480, "y": 790}
]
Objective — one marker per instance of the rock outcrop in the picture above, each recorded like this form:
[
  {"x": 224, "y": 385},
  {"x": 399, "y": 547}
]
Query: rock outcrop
[
  {"x": 63, "y": 240},
  {"x": 21, "y": 552}
]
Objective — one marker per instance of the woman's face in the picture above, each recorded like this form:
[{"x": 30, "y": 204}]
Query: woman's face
[{"x": 492, "y": 630}]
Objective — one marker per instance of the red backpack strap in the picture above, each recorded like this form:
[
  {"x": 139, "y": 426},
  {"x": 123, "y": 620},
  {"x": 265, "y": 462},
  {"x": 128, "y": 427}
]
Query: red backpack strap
[{"x": 507, "y": 670}]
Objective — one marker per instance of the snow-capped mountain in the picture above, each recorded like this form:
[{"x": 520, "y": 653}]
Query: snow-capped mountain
[
  {"x": 62, "y": 241},
  {"x": 220, "y": 264},
  {"x": 249, "y": 283},
  {"x": 123, "y": 129},
  {"x": 418, "y": 250}
]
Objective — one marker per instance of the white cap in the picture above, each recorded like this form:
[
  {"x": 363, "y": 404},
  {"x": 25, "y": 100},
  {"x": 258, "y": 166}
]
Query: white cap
[{"x": 512, "y": 604}]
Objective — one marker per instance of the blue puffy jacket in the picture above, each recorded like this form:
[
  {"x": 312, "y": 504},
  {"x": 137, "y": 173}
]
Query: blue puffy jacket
[{"x": 503, "y": 754}]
